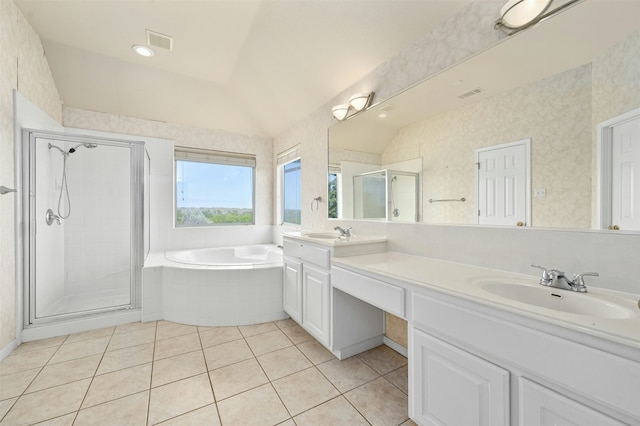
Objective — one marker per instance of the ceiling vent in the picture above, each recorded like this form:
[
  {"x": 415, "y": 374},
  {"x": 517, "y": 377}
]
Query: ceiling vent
[
  {"x": 470, "y": 93},
  {"x": 159, "y": 40}
]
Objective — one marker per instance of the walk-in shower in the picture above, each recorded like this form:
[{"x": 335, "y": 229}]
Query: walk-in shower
[
  {"x": 84, "y": 225},
  {"x": 386, "y": 195}
]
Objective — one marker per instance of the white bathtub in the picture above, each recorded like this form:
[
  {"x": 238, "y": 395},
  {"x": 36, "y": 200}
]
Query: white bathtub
[
  {"x": 214, "y": 287},
  {"x": 253, "y": 256}
]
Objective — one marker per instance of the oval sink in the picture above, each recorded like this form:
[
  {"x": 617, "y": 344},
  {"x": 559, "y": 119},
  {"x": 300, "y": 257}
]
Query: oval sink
[
  {"x": 323, "y": 235},
  {"x": 559, "y": 300}
]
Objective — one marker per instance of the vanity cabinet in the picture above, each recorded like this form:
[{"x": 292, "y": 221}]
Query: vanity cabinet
[
  {"x": 455, "y": 387},
  {"x": 499, "y": 369},
  {"x": 306, "y": 288},
  {"x": 324, "y": 312},
  {"x": 474, "y": 360}
]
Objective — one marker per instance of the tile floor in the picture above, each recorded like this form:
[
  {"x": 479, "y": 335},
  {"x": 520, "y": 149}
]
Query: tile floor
[{"x": 175, "y": 374}]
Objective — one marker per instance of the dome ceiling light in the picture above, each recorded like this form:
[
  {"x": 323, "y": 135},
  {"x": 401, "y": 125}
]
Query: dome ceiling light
[
  {"x": 358, "y": 102},
  {"x": 516, "y": 15}
]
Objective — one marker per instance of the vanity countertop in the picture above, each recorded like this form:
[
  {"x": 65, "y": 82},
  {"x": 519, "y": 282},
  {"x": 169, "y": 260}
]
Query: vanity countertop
[
  {"x": 465, "y": 281},
  {"x": 338, "y": 240}
]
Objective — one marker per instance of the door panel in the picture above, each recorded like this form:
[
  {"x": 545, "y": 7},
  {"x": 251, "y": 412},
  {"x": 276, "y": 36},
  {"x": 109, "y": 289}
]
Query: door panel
[
  {"x": 625, "y": 179},
  {"x": 503, "y": 182}
]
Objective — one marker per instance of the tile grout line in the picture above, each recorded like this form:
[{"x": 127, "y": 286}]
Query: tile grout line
[
  {"x": 153, "y": 355},
  {"x": 92, "y": 377},
  {"x": 206, "y": 367},
  {"x": 34, "y": 378}
]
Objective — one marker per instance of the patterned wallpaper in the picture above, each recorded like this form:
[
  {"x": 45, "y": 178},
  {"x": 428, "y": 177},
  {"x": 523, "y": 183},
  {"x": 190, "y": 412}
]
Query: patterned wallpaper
[
  {"x": 465, "y": 34},
  {"x": 554, "y": 113},
  {"x": 23, "y": 67}
]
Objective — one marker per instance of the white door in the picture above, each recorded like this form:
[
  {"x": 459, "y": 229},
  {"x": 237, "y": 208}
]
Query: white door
[
  {"x": 625, "y": 175},
  {"x": 503, "y": 182}
]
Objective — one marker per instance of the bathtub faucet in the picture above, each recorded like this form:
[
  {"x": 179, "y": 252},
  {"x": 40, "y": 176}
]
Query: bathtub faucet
[{"x": 343, "y": 232}]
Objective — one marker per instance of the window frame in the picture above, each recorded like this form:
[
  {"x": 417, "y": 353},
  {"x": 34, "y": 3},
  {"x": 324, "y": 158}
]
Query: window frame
[
  {"x": 207, "y": 156},
  {"x": 284, "y": 158}
]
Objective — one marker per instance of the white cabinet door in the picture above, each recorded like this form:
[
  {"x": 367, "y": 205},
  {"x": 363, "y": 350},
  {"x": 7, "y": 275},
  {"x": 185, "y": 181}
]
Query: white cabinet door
[
  {"x": 316, "y": 291},
  {"x": 292, "y": 289},
  {"x": 540, "y": 406},
  {"x": 451, "y": 387}
]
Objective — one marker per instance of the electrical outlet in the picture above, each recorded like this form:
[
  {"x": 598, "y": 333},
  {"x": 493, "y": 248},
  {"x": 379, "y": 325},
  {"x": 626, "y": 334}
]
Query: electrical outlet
[{"x": 540, "y": 192}]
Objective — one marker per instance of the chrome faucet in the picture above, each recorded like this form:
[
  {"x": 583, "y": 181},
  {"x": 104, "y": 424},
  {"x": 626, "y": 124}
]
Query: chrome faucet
[
  {"x": 343, "y": 232},
  {"x": 557, "y": 279}
]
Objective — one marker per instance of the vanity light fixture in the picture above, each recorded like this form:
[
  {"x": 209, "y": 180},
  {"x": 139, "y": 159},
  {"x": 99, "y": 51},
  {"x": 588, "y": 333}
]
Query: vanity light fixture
[
  {"x": 143, "y": 50},
  {"x": 516, "y": 15},
  {"x": 358, "y": 102}
]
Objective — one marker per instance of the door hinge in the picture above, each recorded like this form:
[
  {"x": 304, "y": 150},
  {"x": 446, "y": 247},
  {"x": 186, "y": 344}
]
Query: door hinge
[
  {"x": 478, "y": 212},
  {"x": 478, "y": 165}
]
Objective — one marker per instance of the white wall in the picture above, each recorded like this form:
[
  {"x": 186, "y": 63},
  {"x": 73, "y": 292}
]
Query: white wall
[{"x": 24, "y": 67}]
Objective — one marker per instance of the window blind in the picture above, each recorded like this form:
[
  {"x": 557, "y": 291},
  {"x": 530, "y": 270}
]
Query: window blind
[
  {"x": 289, "y": 155},
  {"x": 209, "y": 156}
]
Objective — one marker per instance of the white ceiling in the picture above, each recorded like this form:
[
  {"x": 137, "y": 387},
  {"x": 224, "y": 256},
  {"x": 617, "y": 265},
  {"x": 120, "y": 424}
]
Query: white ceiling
[{"x": 253, "y": 67}]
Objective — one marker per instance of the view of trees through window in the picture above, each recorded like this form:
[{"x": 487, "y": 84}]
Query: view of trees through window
[
  {"x": 333, "y": 196},
  {"x": 213, "y": 194}
]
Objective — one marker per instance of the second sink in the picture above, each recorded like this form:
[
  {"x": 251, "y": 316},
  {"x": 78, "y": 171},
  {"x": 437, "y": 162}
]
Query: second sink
[{"x": 586, "y": 304}]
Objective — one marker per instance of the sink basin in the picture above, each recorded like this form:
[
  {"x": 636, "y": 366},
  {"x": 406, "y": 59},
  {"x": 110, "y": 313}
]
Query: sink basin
[
  {"x": 559, "y": 300},
  {"x": 323, "y": 235}
]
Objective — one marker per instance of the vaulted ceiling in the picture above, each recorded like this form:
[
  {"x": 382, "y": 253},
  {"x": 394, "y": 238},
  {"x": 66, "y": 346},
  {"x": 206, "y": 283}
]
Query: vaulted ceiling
[{"x": 253, "y": 67}]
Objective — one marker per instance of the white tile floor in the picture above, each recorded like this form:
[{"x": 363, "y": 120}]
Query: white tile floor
[{"x": 175, "y": 374}]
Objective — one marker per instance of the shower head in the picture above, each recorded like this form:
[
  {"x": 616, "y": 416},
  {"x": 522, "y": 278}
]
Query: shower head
[
  {"x": 86, "y": 145},
  {"x": 63, "y": 152},
  {"x": 72, "y": 150}
]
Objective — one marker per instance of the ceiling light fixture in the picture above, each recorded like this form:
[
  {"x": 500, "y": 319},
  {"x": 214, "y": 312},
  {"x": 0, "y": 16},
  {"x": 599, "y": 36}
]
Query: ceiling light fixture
[
  {"x": 516, "y": 15},
  {"x": 143, "y": 50},
  {"x": 358, "y": 102}
]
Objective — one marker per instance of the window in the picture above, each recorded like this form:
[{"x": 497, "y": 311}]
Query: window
[
  {"x": 213, "y": 188},
  {"x": 333, "y": 192},
  {"x": 289, "y": 173}
]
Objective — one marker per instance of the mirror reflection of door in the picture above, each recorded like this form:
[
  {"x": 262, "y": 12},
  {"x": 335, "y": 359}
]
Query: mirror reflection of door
[
  {"x": 625, "y": 176},
  {"x": 503, "y": 184}
]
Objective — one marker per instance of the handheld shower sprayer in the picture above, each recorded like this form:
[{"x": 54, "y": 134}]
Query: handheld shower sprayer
[{"x": 64, "y": 187}]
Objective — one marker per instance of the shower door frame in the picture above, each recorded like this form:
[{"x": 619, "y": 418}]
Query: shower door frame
[{"x": 137, "y": 153}]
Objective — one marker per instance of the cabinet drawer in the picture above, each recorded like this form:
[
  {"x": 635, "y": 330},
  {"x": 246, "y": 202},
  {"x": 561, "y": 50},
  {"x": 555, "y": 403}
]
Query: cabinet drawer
[
  {"x": 292, "y": 248},
  {"x": 385, "y": 296},
  {"x": 317, "y": 255},
  {"x": 307, "y": 253}
]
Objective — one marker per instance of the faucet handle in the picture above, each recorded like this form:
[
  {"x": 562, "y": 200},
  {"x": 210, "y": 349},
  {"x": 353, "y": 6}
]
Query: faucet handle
[
  {"x": 546, "y": 273},
  {"x": 578, "y": 279}
]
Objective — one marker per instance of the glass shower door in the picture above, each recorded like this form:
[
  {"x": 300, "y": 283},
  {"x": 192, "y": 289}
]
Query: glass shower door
[{"x": 84, "y": 217}]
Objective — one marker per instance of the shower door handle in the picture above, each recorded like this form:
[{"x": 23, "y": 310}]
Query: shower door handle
[{"x": 5, "y": 190}]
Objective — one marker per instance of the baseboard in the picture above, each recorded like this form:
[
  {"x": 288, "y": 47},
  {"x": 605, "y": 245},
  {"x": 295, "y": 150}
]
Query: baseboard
[
  {"x": 4, "y": 352},
  {"x": 395, "y": 346},
  {"x": 81, "y": 324}
]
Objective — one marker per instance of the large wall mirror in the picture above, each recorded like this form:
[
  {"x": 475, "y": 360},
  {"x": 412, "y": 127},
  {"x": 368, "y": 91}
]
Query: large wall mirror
[{"x": 437, "y": 152}]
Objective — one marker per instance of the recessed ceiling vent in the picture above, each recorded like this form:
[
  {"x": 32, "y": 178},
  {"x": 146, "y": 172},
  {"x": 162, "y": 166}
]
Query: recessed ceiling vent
[
  {"x": 471, "y": 93},
  {"x": 159, "y": 40}
]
